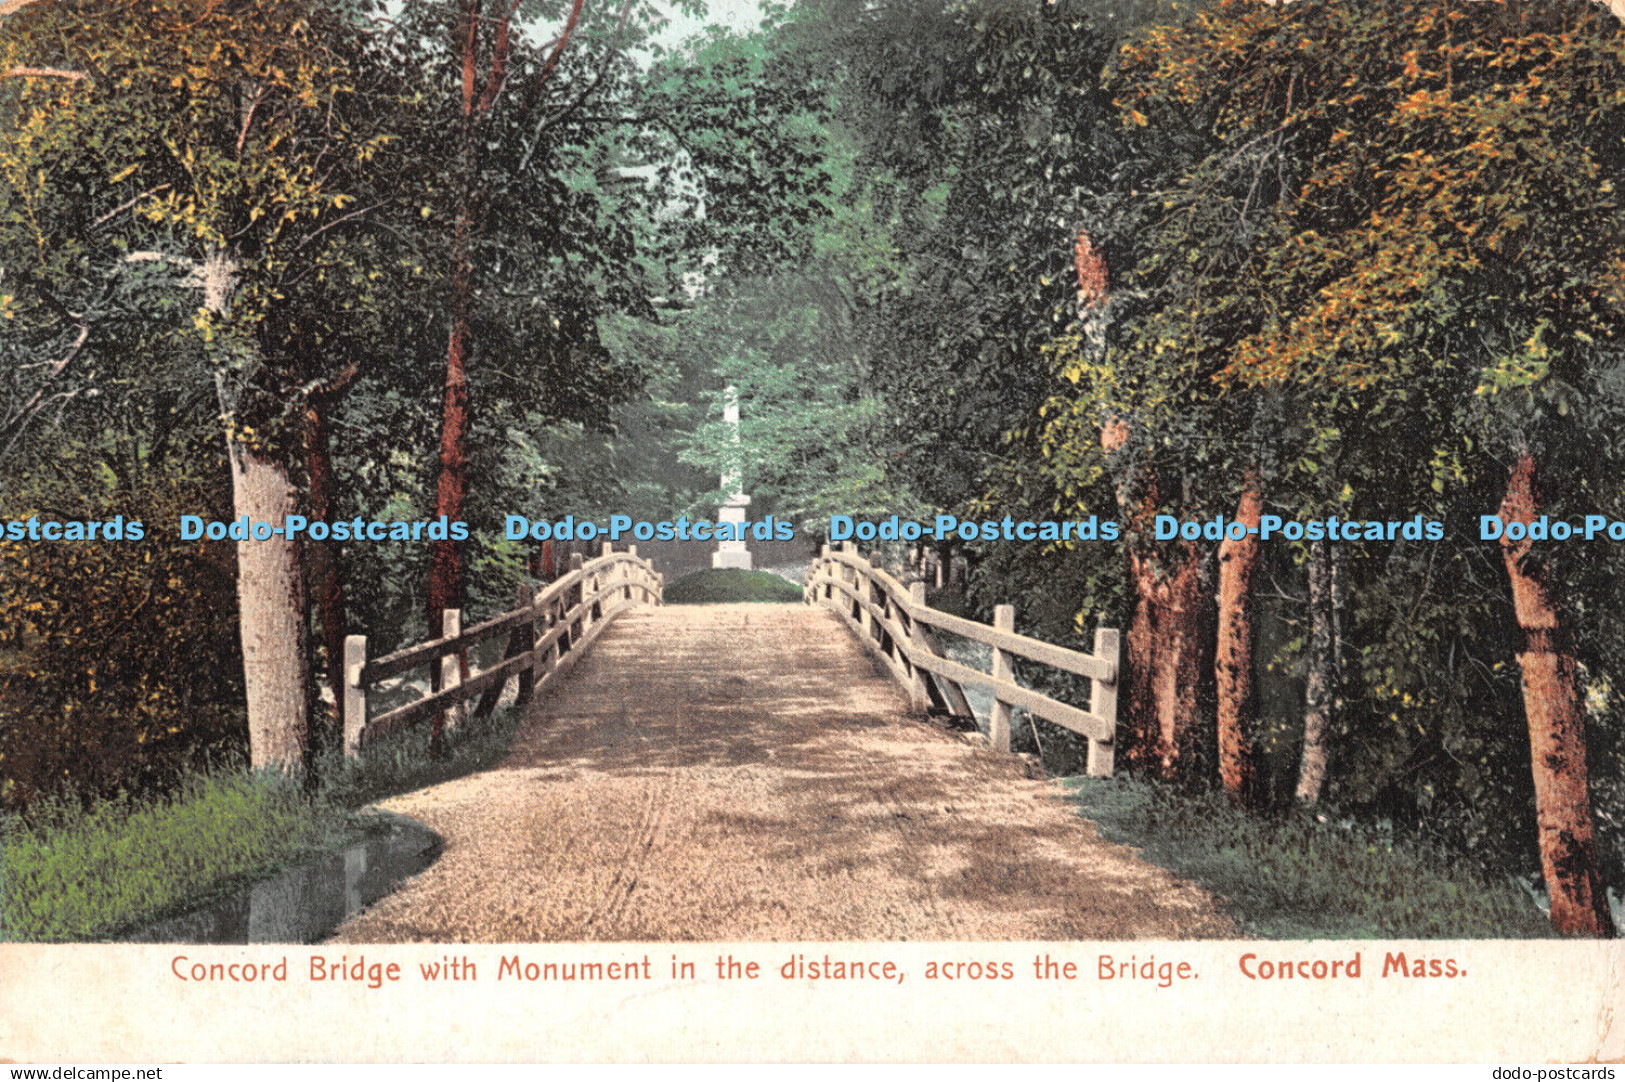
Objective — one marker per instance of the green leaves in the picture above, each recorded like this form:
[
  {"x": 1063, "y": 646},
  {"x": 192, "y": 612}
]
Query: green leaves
[{"x": 1377, "y": 251}]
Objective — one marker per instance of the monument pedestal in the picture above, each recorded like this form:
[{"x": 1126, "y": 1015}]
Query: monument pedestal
[{"x": 732, "y": 554}]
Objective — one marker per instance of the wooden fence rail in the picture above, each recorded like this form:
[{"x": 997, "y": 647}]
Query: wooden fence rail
[
  {"x": 548, "y": 631},
  {"x": 894, "y": 623}
]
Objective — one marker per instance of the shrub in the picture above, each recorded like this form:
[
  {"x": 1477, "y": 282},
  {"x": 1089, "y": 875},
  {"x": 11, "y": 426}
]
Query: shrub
[{"x": 119, "y": 663}]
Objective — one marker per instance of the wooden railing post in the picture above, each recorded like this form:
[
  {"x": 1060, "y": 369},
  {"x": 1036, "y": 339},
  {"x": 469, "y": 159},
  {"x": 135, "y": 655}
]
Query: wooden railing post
[
  {"x": 866, "y": 591},
  {"x": 919, "y": 696},
  {"x": 543, "y": 660},
  {"x": 355, "y": 693},
  {"x": 1103, "y": 704},
  {"x": 451, "y": 668},
  {"x": 998, "y": 725},
  {"x": 596, "y": 586},
  {"x": 578, "y": 625},
  {"x": 525, "y": 642},
  {"x": 854, "y": 578},
  {"x": 901, "y": 629}
]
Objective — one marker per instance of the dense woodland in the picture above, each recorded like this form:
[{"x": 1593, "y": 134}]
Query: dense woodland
[{"x": 1041, "y": 259}]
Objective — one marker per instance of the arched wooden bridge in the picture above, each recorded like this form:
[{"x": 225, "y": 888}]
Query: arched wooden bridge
[{"x": 749, "y": 772}]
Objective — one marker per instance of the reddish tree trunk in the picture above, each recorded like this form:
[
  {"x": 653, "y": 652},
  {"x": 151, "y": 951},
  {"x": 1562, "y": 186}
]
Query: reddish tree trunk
[
  {"x": 322, "y": 557},
  {"x": 1233, "y": 665},
  {"x": 451, "y": 488},
  {"x": 1137, "y": 735},
  {"x": 1552, "y": 706},
  {"x": 451, "y": 491},
  {"x": 485, "y": 38},
  {"x": 1177, "y": 663},
  {"x": 1164, "y": 647}
]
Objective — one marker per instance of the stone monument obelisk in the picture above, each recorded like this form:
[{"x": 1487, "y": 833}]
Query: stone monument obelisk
[{"x": 732, "y": 553}]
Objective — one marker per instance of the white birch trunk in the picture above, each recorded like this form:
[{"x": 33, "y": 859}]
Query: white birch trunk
[
  {"x": 270, "y": 577},
  {"x": 1322, "y": 679},
  {"x": 271, "y": 615}
]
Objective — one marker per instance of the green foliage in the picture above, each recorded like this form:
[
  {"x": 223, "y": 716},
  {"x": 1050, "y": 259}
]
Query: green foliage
[
  {"x": 586, "y": 197},
  {"x": 813, "y": 439},
  {"x": 739, "y": 146},
  {"x": 119, "y": 669},
  {"x": 1293, "y": 877},
  {"x": 1370, "y": 249},
  {"x": 717, "y": 587},
  {"x": 200, "y": 136},
  {"x": 982, "y": 135},
  {"x": 304, "y": 148},
  {"x": 1328, "y": 267}
]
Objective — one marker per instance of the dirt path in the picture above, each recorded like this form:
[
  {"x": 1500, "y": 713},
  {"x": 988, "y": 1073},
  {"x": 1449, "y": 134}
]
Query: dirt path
[{"x": 743, "y": 772}]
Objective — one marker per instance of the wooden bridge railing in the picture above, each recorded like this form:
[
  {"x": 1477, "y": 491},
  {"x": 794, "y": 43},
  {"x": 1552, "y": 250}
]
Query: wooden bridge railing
[
  {"x": 548, "y": 631},
  {"x": 894, "y": 623}
]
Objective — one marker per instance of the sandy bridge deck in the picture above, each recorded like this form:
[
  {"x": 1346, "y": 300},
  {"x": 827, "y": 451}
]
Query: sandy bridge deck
[{"x": 744, "y": 772}]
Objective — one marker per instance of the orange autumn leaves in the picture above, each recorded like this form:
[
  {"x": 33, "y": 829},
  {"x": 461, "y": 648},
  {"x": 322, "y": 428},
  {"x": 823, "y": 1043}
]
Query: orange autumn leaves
[{"x": 1472, "y": 150}]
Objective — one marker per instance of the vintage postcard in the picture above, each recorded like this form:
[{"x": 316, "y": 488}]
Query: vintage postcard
[{"x": 812, "y": 530}]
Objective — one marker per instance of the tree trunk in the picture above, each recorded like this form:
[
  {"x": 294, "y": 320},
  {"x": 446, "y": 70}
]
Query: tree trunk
[
  {"x": 1138, "y": 737},
  {"x": 1177, "y": 665},
  {"x": 270, "y": 578},
  {"x": 1136, "y": 500},
  {"x": 271, "y": 604},
  {"x": 451, "y": 488},
  {"x": 1322, "y": 679},
  {"x": 485, "y": 37},
  {"x": 1233, "y": 663},
  {"x": 1552, "y": 706},
  {"x": 451, "y": 493},
  {"x": 323, "y": 561}
]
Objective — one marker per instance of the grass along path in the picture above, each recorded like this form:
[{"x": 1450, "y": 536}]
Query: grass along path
[
  {"x": 1291, "y": 877},
  {"x": 74, "y": 873},
  {"x": 70, "y": 872}
]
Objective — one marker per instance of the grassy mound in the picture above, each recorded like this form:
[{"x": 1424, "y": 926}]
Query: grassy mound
[
  {"x": 719, "y": 586},
  {"x": 1292, "y": 877}
]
